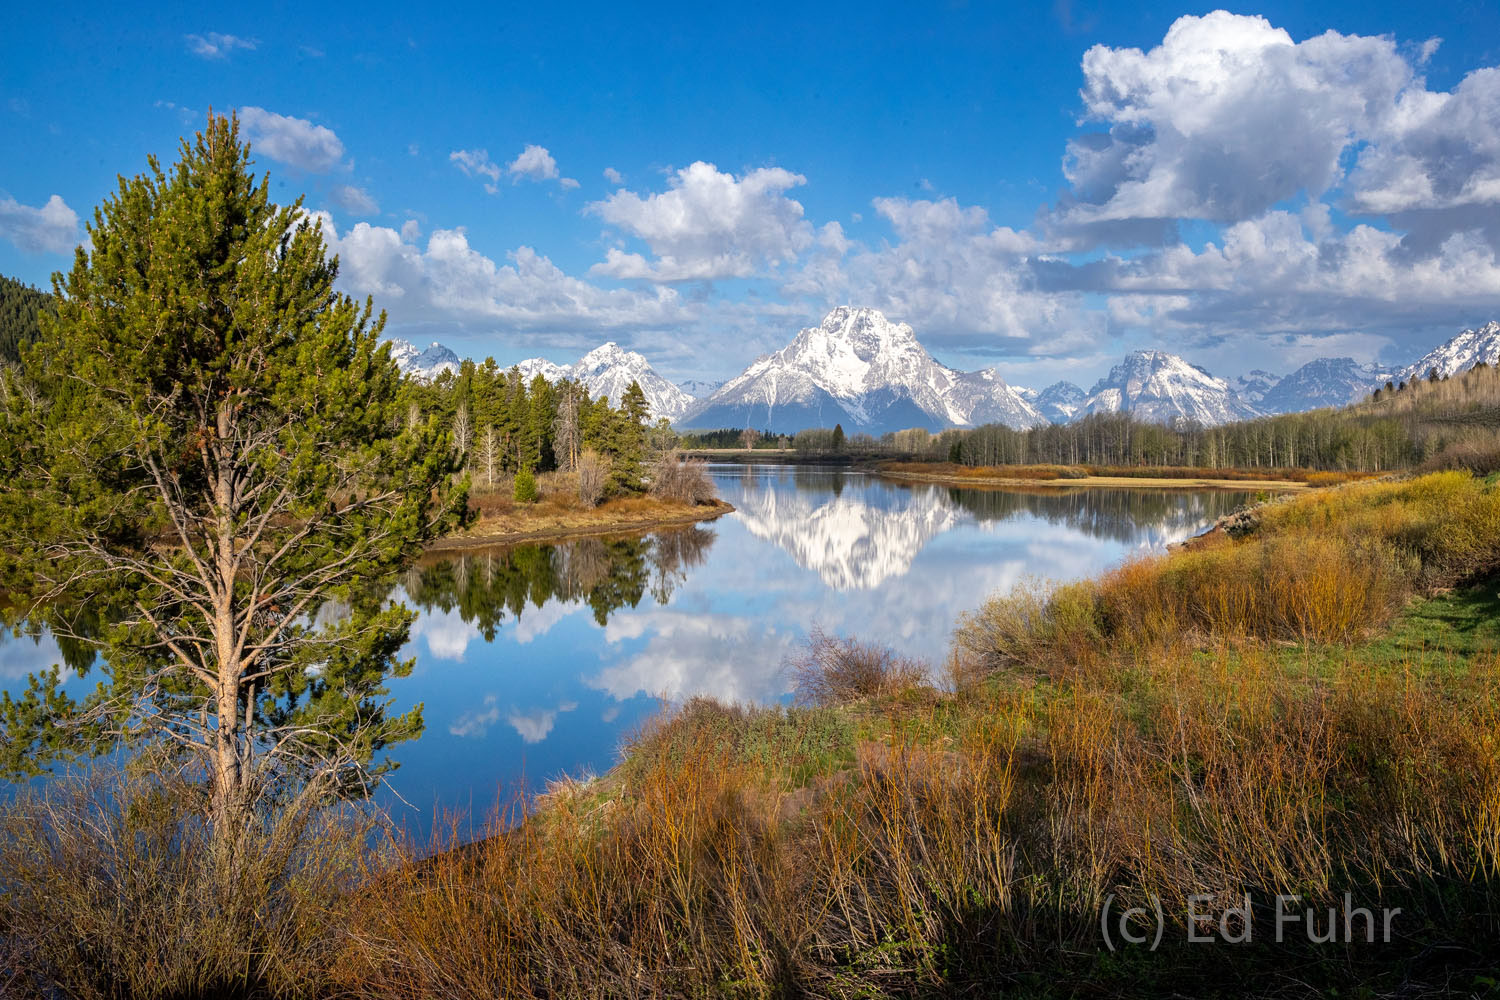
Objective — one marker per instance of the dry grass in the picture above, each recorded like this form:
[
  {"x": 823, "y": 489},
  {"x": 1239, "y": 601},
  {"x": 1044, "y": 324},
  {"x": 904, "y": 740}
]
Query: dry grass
[
  {"x": 1324, "y": 567},
  {"x": 559, "y": 513},
  {"x": 688, "y": 481},
  {"x": 835, "y": 670},
  {"x": 113, "y": 887}
]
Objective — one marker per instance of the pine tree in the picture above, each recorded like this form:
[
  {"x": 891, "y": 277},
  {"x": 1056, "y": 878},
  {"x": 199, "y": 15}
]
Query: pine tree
[
  {"x": 627, "y": 444},
  {"x": 207, "y": 446}
]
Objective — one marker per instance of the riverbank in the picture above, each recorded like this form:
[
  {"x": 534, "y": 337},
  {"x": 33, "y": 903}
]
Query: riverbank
[
  {"x": 768, "y": 456},
  {"x": 502, "y": 521},
  {"x": 1083, "y": 476},
  {"x": 1264, "y": 729}
]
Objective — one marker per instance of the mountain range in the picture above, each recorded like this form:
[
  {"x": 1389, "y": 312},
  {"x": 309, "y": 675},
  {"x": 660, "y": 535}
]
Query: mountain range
[
  {"x": 859, "y": 369},
  {"x": 423, "y": 363}
]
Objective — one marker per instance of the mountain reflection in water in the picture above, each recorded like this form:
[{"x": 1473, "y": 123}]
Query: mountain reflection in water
[{"x": 538, "y": 660}]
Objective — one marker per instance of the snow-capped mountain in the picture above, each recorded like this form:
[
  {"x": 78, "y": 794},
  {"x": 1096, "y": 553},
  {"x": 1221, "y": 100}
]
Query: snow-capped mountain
[
  {"x": 859, "y": 369},
  {"x": 426, "y": 364},
  {"x": 983, "y": 397},
  {"x": 1319, "y": 383},
  {"x": 1459, "y": 354},
  {"x": 1157, "y": 386},
  {"x": 1253, "y": 386},
  {"x": 699, "y": 388},
  {"x": 1059, "y": 402},
  {"x": 532, "y": 367},
  {"x": 608, "y": 370}
]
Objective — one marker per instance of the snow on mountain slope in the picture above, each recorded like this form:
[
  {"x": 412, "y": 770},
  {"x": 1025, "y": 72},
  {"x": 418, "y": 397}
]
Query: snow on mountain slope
[
  {"x": 983, "y": 397},
  {"x": 1253, "y": 386},
  {"x": 1319, "y": 383},
  {"x": 425, "y": 364},
  {"x": 859, "y": 369},
  {"x": 1059, "y": 402},
  {"x": 607, "y": 370},
  {"x": 699, "y": 388},
  {"x": 532, "y": 367},
  {"x": 1459, "y": 354},
  {"x": 1157, "y": 386}
]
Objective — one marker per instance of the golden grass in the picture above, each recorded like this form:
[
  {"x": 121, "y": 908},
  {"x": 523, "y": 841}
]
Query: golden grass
[{"x": 560, "y": 514}]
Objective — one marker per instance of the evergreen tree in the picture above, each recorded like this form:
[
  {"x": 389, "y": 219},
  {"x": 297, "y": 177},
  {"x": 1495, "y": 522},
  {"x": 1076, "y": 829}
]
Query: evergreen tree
[
  {"x": 207, "y": 446},
  {"x": 21, "y": 310}
]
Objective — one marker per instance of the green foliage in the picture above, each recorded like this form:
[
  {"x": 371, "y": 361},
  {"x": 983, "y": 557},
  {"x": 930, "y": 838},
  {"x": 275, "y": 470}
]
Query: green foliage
[
  {"x": 1396, "y": 429},
  {"x": 513, "y": 423},
  {"x": 525, "y": 488},
  {"x": 206, "y": 447},
  {"x": 21, "y": 311}
]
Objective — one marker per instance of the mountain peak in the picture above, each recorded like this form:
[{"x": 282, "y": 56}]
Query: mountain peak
[
  {"x": 426, "y": 363},
  {"x": 1156, "y": 385},
  {"x": 859, "y": 368},
  {"x": 1459, "y": 354}
]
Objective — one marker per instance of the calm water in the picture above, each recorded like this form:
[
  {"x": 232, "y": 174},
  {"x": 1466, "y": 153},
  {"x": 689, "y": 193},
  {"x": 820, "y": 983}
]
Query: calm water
[{"x": 535, "y": 661}]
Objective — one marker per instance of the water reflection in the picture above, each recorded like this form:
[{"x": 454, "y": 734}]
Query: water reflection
[
  {"x": 484, "y": 586},
  {"x": 535, "y": 660},
  {"x": 872, "y": 533}
]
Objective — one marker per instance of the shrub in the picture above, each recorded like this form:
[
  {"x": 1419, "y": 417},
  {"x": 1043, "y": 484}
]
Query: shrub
[
  {"x": 1479, "y": 457},
  {"x": 685, "y": 482},
  {"x": 113, "y": 886},
  {"x": 593, "y": 477},
  {"x": 832, "y": 670},
  {"x": 525, "y": 488}
]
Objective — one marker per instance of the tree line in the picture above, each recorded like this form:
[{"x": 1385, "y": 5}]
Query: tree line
[
  {"x": 1396, "y": 427},
  {"x": 504, "y": 424},
  {"x": 21, "y": 308}
]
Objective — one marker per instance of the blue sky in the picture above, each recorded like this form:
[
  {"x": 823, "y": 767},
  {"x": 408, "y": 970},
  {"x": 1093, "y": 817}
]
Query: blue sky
[{"x": 1038, "y": 188}]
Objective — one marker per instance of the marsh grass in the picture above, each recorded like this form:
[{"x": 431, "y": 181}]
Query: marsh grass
[{"x": 111, "y": 886}]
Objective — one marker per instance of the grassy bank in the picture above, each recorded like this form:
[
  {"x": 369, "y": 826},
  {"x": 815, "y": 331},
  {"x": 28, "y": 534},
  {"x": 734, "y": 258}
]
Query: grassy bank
[
  {"x": 558, "y": 513},
  {"x": 1307, "y": 705}
]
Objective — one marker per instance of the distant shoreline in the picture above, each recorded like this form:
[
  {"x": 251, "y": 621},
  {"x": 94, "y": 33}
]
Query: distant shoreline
[{"x": 994, "y": 476}]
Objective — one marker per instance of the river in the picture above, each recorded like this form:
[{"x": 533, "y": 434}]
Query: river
[{"x": 537, "y": 661}]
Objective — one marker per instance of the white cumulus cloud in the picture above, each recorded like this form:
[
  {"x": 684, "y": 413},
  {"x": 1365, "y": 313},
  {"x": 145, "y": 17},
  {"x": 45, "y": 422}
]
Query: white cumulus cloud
[
  {"x": 477, "y": 163},
  {"x": 448, "y": 279},
  {"x": 1225, "y": 118},
  {"x": 294, "y": 141},
  {"x": 534, "y": 163},
  {"x": 709, "y": 224},
  {"x": 53, "y": 228}
]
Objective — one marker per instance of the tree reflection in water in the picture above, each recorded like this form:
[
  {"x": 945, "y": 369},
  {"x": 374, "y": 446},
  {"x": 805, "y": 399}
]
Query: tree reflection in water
[{"x": 486, "y": 585}]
